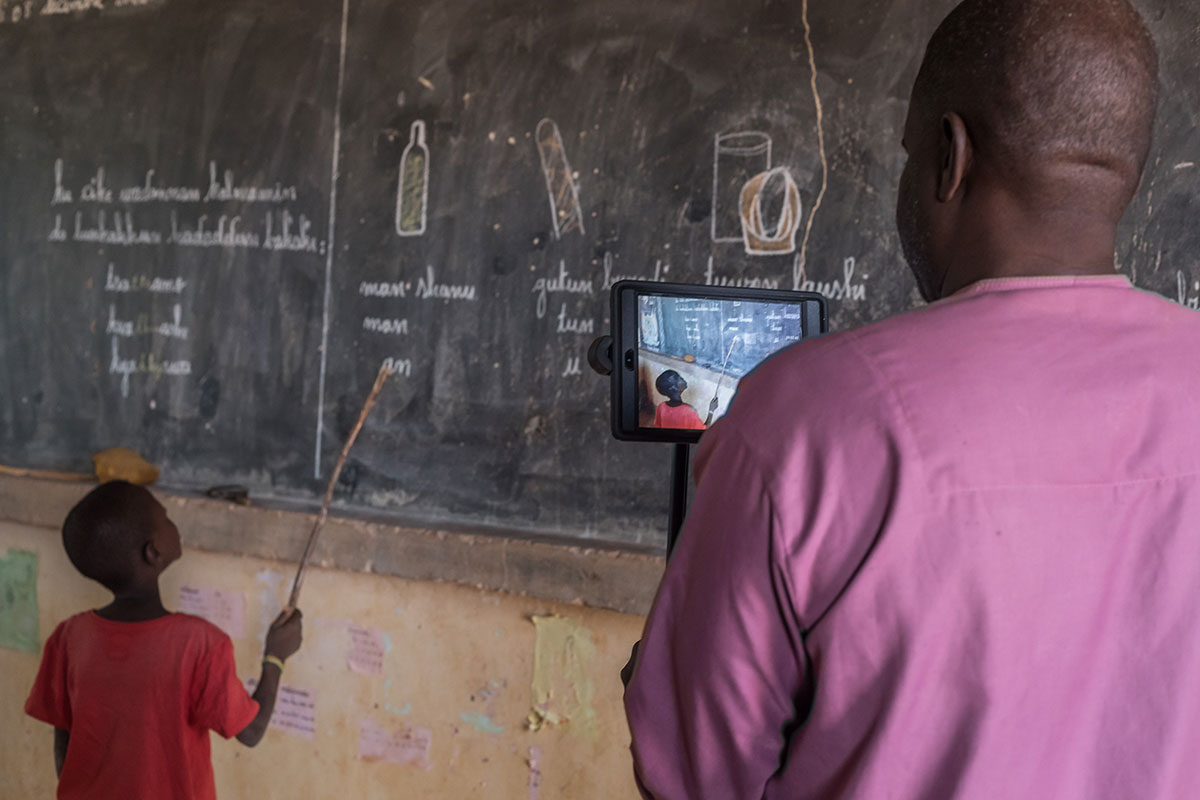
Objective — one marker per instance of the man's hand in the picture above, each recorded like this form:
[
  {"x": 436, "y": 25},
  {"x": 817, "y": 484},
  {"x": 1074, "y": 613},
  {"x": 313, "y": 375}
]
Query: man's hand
[{"x": 285, "y": 635}]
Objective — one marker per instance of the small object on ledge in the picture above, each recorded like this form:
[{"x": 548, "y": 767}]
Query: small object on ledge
[
  {"x": 233, "y": 494},
  {"x": 123, "y": 464}
]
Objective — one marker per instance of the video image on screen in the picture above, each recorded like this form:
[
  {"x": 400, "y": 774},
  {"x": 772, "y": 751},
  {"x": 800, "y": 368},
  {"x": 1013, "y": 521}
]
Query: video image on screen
[{"x": 694, "y": 351}]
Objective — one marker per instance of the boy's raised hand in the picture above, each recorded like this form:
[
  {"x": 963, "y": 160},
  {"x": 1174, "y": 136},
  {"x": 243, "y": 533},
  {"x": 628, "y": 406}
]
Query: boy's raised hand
[{"x": 285, "y": 634}]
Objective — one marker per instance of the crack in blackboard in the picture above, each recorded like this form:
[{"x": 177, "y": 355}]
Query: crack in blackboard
[{"x": 798, "y": 271}]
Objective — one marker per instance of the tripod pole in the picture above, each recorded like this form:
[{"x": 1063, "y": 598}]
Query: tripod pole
[{"x": 679, "y": 493}]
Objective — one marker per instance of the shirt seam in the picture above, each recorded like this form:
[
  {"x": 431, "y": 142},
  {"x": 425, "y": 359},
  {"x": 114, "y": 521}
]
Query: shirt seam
[
  {"x": 854, "y": 340},
  {"x": 1071, "y": 485}
]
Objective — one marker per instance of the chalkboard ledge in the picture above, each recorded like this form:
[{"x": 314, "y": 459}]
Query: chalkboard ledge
[{"x": 598, "y": 578}]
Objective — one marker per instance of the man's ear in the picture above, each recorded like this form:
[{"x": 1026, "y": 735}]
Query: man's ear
[{"x": 955, "y": 154}]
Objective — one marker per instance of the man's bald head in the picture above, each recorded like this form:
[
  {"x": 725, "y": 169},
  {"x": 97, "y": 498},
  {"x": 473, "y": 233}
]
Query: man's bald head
[{"x": 1047, "y": 83}]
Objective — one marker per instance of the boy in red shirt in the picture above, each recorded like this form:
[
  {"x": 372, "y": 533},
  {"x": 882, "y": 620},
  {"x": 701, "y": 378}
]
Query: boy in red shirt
[
  {"x": 675, "y": 413},
  {"x": 132, "y": 690}
]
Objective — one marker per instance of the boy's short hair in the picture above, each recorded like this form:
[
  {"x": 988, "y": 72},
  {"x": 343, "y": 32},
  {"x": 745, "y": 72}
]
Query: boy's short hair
[
  {"x": 670, "y": 383},
  {"x": 105, "y": 529}
]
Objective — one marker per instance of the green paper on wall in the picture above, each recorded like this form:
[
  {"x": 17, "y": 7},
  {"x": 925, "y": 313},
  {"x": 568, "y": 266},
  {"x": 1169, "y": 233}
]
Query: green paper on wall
[{"x": 18, "y": 601}]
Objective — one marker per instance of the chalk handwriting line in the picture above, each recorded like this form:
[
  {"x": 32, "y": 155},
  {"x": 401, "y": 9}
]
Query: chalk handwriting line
[{"x": 330, "y": 248}]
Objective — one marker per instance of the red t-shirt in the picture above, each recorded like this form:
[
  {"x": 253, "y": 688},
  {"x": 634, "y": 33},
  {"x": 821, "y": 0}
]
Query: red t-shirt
[
  {"x": 139, "y": 699},
  {"x": 683, "y": 417}
]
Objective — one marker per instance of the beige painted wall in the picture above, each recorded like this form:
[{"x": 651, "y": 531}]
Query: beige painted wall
[{"x": 459, "y": 663}]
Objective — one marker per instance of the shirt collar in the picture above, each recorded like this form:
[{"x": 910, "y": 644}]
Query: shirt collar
[{"x": 991, "y": 285}]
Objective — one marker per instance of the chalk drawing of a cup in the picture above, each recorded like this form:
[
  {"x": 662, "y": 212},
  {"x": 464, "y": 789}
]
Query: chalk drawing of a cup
[
  {"x": 777, "y": 237},
  {"x": 737, "y": 158}
]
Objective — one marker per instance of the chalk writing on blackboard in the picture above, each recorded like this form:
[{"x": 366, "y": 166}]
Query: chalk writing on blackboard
[
  {"x": 142, "y": 283},
  {"x": 562, "y": 283},
  {"x": 428, "y": 288},
  {"x": 574, "y": 325},
  {"x": 288, "y": 232},
  {"x": 149, "y": 193},
  {"x": 383, "y": 289},
  {"x": 124, "y": 230},
  {"x": 400, "y": 367},
  {"x": 846, "y": 289},
  {"x": 714, "y": 278},
  {"x": 143, "y": 364},
  {"x": 611, "y": 277},
  {"x": 387, "y": 327},
  {"x": 71, "y": 6},
  {"x": 225, "y": 190}
]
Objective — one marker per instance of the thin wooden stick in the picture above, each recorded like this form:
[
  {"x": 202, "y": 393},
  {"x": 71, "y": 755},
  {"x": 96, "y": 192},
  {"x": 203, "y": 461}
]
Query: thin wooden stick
[{"x": 384, "y": 372}]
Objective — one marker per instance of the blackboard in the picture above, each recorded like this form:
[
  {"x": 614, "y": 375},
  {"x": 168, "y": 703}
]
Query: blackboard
[
  {"x": 728, "y": 337},
  {"x": 218, "y": 217}
]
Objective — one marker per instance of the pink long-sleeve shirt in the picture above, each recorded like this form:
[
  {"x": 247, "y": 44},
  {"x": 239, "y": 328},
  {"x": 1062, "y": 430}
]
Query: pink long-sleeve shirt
[{"x": 952, "y": 555}]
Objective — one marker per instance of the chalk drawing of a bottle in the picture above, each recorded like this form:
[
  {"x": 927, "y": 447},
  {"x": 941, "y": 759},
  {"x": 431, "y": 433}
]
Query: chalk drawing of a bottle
[
  {"x": 412, "y": 195},
  {"x": 737, "y": 158}
]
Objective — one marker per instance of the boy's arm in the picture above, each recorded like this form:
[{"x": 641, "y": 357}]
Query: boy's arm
[
  {"x": 283, "y": 640},
  {"x": 264, "y": 695},
  {"x": 61, "y": 738}
]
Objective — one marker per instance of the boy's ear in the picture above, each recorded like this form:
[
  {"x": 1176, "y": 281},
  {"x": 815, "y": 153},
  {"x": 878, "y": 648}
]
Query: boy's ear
[{"x": 150, "y": 554}]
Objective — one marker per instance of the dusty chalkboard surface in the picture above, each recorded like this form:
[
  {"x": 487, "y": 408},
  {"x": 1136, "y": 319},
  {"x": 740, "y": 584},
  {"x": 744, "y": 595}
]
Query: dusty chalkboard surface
[{"x": 217, "y": 217}]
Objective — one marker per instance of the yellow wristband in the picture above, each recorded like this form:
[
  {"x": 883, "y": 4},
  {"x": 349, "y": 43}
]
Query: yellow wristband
[{"x": 273, "y": 660}]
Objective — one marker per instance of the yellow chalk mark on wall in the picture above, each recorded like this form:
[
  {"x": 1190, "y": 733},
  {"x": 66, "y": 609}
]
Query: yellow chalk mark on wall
[{"x": 562, "y": 686}]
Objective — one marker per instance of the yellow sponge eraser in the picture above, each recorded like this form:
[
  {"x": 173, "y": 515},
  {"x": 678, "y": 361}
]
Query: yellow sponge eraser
[{"x": 123, "y": 464}]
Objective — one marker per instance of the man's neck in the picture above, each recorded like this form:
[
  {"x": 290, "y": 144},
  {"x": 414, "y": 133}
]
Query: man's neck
[{"x": 1007, "y": 241}]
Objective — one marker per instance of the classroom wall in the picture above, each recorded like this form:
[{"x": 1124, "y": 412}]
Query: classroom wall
[{"x": 418, "y": 689}]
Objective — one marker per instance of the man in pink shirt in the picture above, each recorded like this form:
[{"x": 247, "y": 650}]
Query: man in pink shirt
[{"x": 968, "y": 566}]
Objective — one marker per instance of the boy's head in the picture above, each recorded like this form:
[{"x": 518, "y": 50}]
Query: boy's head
[
  {"x": 120, "y": 536},
  {"x": 671, "y": 384}
]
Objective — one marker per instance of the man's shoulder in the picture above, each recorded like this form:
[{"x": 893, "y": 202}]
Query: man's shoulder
[{"x": 838, "y": 369}]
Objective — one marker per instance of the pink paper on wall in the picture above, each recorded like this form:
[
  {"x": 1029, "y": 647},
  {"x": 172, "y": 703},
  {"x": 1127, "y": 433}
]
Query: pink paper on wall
[
  {"x": 535, "y": 773},
  {"x": 404, "y": 746},
  {"x": 366, "y": 650},
  {"x": 222, "y": 607}
]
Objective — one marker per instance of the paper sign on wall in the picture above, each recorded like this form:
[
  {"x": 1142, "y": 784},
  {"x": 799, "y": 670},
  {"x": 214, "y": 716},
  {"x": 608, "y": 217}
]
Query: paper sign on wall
[
  {"x": 365, "y": 655},
  {"x": 295, "y": 710},
  {"x": 18, "y": 601},
  {"x": 405, "y": 746},
  {"x": 222, "y": 607}
]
